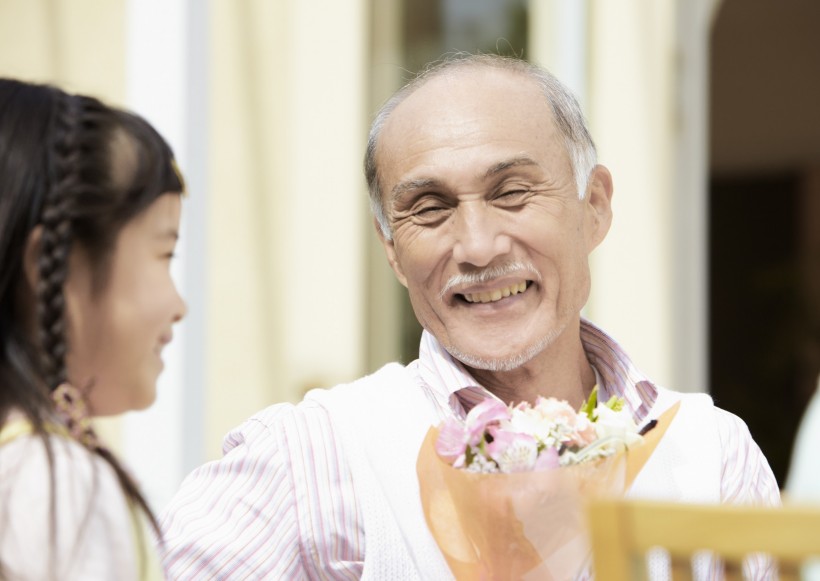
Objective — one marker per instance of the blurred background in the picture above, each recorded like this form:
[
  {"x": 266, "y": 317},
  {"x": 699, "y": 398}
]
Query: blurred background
[{"x": 705, "y": 111}]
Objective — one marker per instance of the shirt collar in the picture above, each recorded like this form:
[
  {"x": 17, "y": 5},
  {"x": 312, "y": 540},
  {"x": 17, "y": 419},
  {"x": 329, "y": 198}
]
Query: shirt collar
[{"x": 617, "y": 376}]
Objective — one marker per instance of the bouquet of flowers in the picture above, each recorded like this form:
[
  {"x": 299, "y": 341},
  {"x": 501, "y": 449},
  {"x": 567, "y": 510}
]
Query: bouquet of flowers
[
  {"x": 504, "y": 490},
  {"x": 522, "y": 438}
]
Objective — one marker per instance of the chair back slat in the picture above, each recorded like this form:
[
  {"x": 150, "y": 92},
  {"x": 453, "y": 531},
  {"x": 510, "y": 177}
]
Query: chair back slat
[
  {"x": 733, "y": 570},
  {"x": 788, "y": 571},
  {"x": 681, "y": 569},
  {"x": 624, "y": 532}
]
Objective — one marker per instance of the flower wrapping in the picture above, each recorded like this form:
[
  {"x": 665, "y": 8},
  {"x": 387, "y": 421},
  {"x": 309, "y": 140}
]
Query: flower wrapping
[{"x": 506, "y": 521}]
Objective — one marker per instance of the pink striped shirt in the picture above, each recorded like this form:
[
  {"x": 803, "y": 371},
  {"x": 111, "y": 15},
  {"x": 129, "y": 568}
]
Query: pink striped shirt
[{"x": 281, "y": 503}]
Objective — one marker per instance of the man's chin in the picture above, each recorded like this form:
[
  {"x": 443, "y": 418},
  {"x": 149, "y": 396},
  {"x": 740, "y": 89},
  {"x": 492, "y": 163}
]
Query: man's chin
[
  {"x": 487, "y": 362},
  {"x": 513, "y": 359}
]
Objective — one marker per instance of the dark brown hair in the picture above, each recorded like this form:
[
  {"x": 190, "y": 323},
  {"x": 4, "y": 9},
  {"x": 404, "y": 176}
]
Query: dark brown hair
[{"x": 79, "y": 170}]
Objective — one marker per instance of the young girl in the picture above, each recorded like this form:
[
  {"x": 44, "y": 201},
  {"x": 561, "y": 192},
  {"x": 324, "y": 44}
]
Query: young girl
[{"x": 89, "y": 218}]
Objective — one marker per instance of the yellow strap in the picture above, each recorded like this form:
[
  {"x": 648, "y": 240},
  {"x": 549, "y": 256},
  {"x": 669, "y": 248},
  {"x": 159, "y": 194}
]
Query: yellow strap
[
  {"x": 22, "y": 427},
  {"x": 14, "y": 429}
]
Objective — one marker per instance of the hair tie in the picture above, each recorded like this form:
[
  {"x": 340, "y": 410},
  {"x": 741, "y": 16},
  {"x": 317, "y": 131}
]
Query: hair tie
[{"x": 72, "y": 409}]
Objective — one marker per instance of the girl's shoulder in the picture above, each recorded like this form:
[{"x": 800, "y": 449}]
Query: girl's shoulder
[
  {"x": 24, "y": 454},
  {"x": 22, "y": 449},
  {"x": 69, "y": 492}
]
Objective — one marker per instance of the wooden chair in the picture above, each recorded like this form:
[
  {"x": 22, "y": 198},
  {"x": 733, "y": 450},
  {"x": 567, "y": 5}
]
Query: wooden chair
[{"x": 623, "y": 532}]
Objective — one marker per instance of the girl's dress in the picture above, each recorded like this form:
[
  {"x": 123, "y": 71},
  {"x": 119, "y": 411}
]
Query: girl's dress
[{"x": 90, "y": 531}]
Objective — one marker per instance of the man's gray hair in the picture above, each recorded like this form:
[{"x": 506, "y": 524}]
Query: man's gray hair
[{"x": 565, "y": 109}]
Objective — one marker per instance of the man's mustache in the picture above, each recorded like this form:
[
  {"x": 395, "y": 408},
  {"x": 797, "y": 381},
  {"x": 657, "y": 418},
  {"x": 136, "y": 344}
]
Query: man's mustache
[{"x": 487, "y": 274}]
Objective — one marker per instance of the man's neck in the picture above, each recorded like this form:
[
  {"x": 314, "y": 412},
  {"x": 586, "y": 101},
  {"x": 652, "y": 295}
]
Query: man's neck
[{"x": 561, "y": 371}]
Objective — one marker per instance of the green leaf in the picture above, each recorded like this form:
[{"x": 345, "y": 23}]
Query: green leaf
[
  {"x": 588, "y": 407},
  {"x": 615, "y": 403}
]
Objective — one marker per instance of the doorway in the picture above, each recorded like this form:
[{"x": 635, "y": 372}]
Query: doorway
[{"x": 764, "y": 216}]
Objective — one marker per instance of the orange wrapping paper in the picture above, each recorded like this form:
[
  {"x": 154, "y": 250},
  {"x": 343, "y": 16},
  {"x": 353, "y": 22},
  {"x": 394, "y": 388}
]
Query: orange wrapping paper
[{"x": 527, "y": 525}]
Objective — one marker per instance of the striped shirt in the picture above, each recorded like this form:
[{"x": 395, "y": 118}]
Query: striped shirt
[{"x": 281, "y": 503}]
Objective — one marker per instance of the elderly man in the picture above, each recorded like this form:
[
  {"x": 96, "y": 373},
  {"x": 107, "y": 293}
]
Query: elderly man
[{"x": 488, "y": 202}]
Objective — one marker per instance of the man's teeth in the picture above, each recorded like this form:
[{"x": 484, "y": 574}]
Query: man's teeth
[{"x": 496, "y": 295}]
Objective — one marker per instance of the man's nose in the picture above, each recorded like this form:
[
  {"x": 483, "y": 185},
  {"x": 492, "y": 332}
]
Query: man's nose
[{"x": 479, "y": 236}]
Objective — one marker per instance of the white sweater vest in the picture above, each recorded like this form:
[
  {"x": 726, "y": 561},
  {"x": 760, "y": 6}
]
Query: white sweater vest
[{"x": 382, "y": 419}]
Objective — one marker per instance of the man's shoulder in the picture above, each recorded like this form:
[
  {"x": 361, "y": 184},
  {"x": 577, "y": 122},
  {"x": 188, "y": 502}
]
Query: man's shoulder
[
  {"x": 313, "y": 408},
  {"x": 390, "y": 377},
  {"x": 702, "y": 406},
  {"x": 667, "y": 397}
]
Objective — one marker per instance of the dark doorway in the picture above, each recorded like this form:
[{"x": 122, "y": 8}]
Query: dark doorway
[
  {"x": 760, "y": 328},
  {"x": 765, "y": 217}
]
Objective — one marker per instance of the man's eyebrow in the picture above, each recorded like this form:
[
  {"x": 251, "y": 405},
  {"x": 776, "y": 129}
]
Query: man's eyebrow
[
  {"x": 423, "y": 183},
  {"x": 400, "y": 188},
  {"x": 508, "y": 163}
]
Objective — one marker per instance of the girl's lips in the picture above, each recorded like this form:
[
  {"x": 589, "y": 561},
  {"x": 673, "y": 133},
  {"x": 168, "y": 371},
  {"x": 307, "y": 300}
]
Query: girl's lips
[{"x": 163, "y": 341}]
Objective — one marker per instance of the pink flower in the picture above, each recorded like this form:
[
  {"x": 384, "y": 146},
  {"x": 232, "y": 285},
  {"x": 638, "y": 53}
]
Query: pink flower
[
  {"x": 512, "y": 451},
  {"x": 452, "y": 440},
  {"x": 547, "y": 460},
  {"x": 584, "y": 433},
  {"x": 488, "y": 412},
  {"x": 557, "y": 410},
  {"x": 455, "y": 436}
]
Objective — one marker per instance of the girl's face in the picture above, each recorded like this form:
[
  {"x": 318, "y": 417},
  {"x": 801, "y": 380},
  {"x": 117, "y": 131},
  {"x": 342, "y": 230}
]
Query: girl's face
[{"x": 116, "y": 334}]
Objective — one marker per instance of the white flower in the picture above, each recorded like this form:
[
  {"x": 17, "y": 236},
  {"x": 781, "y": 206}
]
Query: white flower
[
  {"x": 482, "y": 465},
  {"x": 526, "y": 420},
  {"x": 617, "y": 425}
]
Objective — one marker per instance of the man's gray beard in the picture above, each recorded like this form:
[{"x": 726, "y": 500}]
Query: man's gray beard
[{"x": 509, "y": 364}]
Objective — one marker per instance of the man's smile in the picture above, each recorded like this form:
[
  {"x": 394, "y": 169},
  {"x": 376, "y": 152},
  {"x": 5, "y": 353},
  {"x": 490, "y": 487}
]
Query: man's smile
[{"x": 491, "y": 296}]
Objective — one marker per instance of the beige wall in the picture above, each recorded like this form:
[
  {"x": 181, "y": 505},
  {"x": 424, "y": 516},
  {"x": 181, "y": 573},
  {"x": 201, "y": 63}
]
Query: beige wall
[
  {"x": 631, "y": 112},
  {"x": 286, "y": 250},
  {"x": 80, "y": 47}
]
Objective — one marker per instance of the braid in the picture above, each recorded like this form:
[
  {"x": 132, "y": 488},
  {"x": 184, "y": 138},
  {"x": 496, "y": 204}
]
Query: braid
[
  {"x": 64, "y": 170},
  {"x": 74, "y": 131}
]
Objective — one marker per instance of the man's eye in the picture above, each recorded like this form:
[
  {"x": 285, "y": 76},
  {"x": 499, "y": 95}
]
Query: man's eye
[
  {"x": 429, "y": 214},
  {"x": 511, "y": 194}
]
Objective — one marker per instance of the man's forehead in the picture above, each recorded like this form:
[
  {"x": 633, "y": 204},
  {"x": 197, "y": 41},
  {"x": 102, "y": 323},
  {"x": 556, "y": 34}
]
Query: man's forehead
[
  {"x": 469, "y": 97},
  {"x": 463, "y": 94},
  {"x": 465, "y": 83}
]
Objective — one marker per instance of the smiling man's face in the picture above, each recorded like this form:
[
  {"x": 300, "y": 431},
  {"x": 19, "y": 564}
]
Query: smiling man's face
[{"x": 489, "y": 235}]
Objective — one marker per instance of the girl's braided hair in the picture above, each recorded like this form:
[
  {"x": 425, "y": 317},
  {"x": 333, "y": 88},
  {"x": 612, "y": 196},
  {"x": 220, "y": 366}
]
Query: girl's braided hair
[{"x": 78, "y": 171}]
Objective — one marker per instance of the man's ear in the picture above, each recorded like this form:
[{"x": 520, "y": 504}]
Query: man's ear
[
  {"x": 598, "y": 205},
  {"x": 31, "y": 257},
  {"x": 390, "y": 251}
]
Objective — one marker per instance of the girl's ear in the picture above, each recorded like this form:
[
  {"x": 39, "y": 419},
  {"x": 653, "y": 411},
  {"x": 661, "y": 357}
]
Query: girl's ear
[{"x": 31, "y": 256}]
